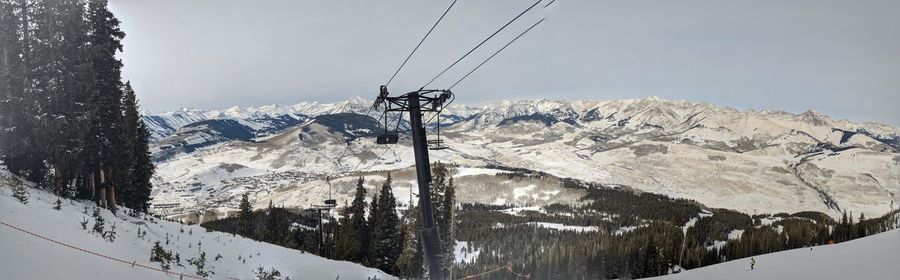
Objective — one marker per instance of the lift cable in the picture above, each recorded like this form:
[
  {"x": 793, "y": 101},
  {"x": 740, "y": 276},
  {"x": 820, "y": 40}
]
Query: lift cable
[
  {"x": 482, "y": 42},
  {"x": 551, "y": 3},
  {"x": 368, "y": 150},
  {"x": 420, "y": 43},
  {"x": 497, "y": 52},
  {"x": 347, "y": 148},
  {"x": 438, "y": 113}
]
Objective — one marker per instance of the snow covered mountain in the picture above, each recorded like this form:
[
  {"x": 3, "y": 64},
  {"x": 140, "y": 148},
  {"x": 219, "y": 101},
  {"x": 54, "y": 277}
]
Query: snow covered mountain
[
  {"x": 747, "y": 160},
  {"x": 264, "y": 119},
  {"x": 29, "y": 234}
]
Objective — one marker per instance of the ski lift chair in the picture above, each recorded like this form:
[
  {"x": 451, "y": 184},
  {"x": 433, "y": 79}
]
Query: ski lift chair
[
  {"x": 331, "y": 202},
  {"x": 387, "y": 138},
  {"x": 436, "y": 144}
]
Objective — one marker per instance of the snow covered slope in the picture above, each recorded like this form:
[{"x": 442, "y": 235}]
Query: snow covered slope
[
  {"x": 24, "y": 256},
  {"x": 873, "y": 257},
  {"x": 750, "y": 161},
  {"x": 264, "y": 118}
]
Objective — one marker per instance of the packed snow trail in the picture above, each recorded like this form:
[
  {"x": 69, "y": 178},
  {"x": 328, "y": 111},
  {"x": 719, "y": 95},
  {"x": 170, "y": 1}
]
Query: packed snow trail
[
  {"x": 26, "y": 256},
  {"x": 874, "y": 257}
]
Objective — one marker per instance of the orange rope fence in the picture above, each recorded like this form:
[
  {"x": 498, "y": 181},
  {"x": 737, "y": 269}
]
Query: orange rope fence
[{"x": 132, "y": 264}]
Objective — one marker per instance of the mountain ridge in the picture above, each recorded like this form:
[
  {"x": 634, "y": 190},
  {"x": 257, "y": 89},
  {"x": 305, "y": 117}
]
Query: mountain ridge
[{"x": 746, "y": 160}]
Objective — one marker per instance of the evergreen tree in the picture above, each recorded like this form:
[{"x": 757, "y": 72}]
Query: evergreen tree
[
  {"x": 276, "y": 226},
  {"x": 108, "y": 145},
  {"x": 20, "y": 193},
  {"x": 443, "y": 199},
  {"x": 387, "y": 239},
  {"x": 861, "y": 230},
  {"x": 371, "y": 223},
  {"x": 840, "y": 232},
  {"x": 245, "y": 219},
  {"x": 22, "y": 149},
  {"x": 410, "y": 263},
  {"x": 142, "y": 166},
  {"x": 351, "y": 241},
  {"x": 11, "y": 76},
  {"x": 64, "y": 82}
]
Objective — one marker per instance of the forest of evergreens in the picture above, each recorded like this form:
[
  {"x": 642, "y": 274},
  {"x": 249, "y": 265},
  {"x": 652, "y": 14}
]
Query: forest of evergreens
[
  {"x": 637, "y": 234},
  {"x": 374, "y": 233},
  {"x": 67, "y": 119}
]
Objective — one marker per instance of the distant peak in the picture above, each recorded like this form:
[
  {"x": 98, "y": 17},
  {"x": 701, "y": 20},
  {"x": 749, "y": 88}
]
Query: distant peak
[
  {"x": 357, "y": 99},
  {"x": 814, "y": 117}
]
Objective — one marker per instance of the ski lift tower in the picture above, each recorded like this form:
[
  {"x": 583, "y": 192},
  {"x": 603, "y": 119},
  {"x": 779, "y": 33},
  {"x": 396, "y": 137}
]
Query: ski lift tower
[
  {"x": 417, "y": 103},
  {"x": 329, "y": 204}
]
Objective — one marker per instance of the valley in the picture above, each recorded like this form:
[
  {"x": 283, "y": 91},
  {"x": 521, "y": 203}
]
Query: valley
[{"x": 751, "y": 161}]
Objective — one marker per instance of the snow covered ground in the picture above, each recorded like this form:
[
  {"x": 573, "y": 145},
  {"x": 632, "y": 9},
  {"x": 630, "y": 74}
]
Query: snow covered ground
[
  {"x": 874, "y": 257},
  {"x": 749, "y": 161},
  {"x": 24, "y": 256}
]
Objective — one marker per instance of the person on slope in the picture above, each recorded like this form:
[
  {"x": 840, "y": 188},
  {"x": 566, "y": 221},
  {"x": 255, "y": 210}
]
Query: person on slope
[{"x": 752, "y": 263}]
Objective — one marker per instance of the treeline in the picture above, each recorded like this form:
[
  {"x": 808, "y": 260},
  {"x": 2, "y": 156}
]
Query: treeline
[
  {"x": 67, "y": 121},
  {"x": 795, "y": 231},
  {"x": 635, "y": 235},
  {"x": 375, "y": 234}
]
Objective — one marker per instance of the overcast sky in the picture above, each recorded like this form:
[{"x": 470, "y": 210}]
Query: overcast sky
[{"x": 838, "y": 57}]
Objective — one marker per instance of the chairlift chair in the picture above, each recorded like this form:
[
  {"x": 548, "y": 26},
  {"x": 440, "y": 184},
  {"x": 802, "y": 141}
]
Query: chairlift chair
[
  {"x": 387, "y": 137},
  {"x": 437, "y": 144},
  {"x": 330, "y": 202}
]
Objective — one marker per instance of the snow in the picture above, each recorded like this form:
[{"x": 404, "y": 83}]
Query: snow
[
  {"x": 472, "y": 171},
  {"x": 718, "y": 156},
  {"x": 872, "y": 257},
  {"x": 562, "y": 227},
  {"x": 624, "y": 230},
  {"x": 461, "y": 254},
  {"x": 736, "y": 234},
  {"x": 23, "y": 256},
  {"x": 516, "y": 210}
]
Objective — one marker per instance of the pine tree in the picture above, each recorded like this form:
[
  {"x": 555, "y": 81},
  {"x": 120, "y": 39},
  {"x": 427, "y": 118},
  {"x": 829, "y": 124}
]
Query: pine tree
[
  {"x": 410, "y": 263},
  {"x": 20, "y": 193},
  {"x": 276, "y": 225},
  {"x": 352, "y": 239},
  {"x": 23, "y": 152},
  {"x": 65, "y": 82},
  {"x": 443, "y": 199},
  {"x": 108, "y": 146},
  {"x": 861, "y": 230},
  {"x": 840, "y": 233},
  {"x": 245, "y": 219},
  {"x": 387, "y": 239},
  {"x": 10, "y": 76},
  {"x": 371, "y": 222},
  {"x": 142, "y": 167}
]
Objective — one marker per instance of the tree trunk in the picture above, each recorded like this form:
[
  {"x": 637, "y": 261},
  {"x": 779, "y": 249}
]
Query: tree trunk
[
  {"x": 111, "y": 201},
  {"x": 102, "y": 200},
  {"x": 92, "y": 185},
  {"x": 58, "y": 180}
]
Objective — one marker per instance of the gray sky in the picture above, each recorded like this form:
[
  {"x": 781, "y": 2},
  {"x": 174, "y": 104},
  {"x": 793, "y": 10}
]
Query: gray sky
[{"x": 836, "y": 56}]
